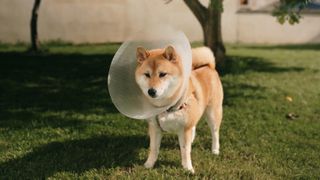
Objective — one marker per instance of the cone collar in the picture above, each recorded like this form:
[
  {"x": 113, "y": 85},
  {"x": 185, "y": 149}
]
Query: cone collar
[{"x": 123, "y": 89}]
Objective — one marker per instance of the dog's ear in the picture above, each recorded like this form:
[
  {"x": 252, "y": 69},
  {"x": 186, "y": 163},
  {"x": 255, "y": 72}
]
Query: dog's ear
[
  {"x": 170, "y": 53},
  {"x": 142, "y": 54}
]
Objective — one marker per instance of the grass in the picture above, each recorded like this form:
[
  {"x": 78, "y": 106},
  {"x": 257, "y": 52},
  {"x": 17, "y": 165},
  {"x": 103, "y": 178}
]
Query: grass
[{"x": 58, "y": 122}]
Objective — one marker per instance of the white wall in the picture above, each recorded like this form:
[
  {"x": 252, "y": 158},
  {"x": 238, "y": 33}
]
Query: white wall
[
  {"x": 93, "y": 21},
  {"x": 14, "y": 20},
  {"x": 97, "y": 21},
  {"x": 269, "y": 31}
]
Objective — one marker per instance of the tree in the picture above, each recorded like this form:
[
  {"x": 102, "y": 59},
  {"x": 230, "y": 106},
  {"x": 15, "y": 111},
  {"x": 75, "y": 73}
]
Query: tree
[
  {"x": 34, "y": 26},
  {"x": 210, "y": 21},
  {"x": 289, "y": 10}
]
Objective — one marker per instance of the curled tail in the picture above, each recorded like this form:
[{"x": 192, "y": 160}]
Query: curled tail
[{"x": 202, "y": 56}]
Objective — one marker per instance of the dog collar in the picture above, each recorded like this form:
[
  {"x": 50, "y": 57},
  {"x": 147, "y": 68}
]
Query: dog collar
[{"x": 181, "y": 102}]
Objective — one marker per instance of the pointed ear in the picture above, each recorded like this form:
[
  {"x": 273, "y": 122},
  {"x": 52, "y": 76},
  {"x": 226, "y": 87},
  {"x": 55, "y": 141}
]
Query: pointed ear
[
  {"x": 170, "y": 53},
  {"x": 142, "y": 54}
]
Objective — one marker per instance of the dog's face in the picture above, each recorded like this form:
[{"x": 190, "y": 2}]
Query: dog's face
[{"x": 158, "y": 73}]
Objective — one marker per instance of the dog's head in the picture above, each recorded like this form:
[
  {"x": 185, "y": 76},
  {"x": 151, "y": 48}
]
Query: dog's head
[{"x": 159, "y": 74}]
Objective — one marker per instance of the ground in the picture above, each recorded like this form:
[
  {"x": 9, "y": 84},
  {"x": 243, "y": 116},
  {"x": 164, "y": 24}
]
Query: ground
[{"x": 57, "y": 120}]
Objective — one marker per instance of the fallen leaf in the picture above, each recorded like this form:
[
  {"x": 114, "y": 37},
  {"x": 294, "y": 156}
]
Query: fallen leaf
[
  {"x": 288, "y": 98},
  {"x": 292, "y": 116}
]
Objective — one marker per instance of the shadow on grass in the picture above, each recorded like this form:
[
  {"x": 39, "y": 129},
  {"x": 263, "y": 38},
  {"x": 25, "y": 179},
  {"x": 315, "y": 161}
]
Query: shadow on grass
[
  {"x": 237, "y": 65},
  {"x": 75, "y": 83},
  {"x": 242, "y": 64},
  {"x": 75, "y": 156},
  {"x": 288, "y": 47},
  {"x": 33, "y": 84},
  {"x": 246, "y": 91}
]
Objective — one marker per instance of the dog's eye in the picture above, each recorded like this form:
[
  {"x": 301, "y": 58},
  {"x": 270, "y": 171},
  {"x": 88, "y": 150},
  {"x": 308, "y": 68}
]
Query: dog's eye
[
  {"x": 162, "y": 74},
  {"x": 147, "y": 75}
]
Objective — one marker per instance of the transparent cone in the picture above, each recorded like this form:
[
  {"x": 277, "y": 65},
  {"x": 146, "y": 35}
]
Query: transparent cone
[{"x": 123, "y": 89}]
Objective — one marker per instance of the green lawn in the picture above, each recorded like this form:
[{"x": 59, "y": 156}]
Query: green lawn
[{"x": 57, "y": 120}]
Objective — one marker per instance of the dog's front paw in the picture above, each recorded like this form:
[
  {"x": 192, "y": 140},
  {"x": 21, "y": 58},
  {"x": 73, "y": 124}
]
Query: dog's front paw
[
  {"x": 149, "y": 165},
  {"x": 215, "y": 151},
  {"x": 190, "y": 169}
]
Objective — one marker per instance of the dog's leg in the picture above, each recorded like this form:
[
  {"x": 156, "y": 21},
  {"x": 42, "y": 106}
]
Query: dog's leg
[
  {"x": 185, "y": 141},
  {"x": 193, "y": 134},
  {"x": 214, "y": 117},
  {"x": 155, "y": 140}
]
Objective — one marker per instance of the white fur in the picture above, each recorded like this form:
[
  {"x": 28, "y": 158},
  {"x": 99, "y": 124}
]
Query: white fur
[
  {"x": 168, "y": 87},
  {"x": 172, "y": 121},
  {"x": 144, "y": 85},
  {"x": 155, "y": 141},
  {"x": 162, "y": 89},
  {"x": 185, "y": 149},
  {"x": 214, "y": 131},
  {"x": 193, "y": 133}
]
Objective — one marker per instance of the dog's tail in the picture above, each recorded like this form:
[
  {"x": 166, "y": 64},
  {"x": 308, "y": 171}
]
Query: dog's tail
[{"x": 202, "y": 56}]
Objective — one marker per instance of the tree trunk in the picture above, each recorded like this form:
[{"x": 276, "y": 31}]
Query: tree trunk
[
  {"x": 34, "y": 26},
  {"x": 212, "y": 32},
  {"x": 210, "y": 20}
]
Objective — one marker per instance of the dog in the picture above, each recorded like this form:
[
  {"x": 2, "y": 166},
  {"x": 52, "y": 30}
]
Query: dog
[{"x": 159, "y": 74}]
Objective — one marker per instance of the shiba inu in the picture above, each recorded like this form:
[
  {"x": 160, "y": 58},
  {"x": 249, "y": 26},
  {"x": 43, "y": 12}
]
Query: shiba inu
[{"x": 160, "y": 76}]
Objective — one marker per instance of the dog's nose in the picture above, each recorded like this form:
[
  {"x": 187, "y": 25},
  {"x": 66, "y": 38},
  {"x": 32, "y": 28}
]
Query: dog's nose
[{"x": 152, "y": 92}]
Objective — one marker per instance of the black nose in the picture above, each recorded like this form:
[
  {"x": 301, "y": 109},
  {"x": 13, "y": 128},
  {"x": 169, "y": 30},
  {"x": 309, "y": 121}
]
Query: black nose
[{"x": 152, "y": 92}]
